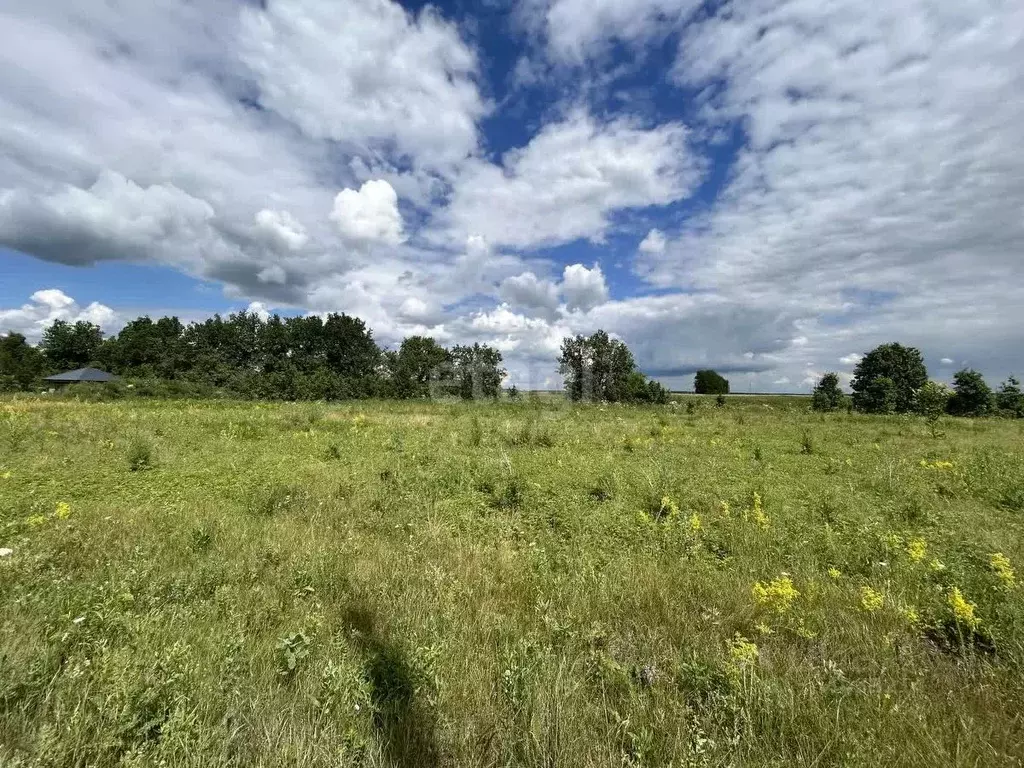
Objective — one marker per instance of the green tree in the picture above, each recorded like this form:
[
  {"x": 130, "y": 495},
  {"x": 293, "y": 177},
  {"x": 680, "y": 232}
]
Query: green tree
[
  {"x": 904, "y": 373},
  {"x": 708, "y": 382},
  {"x": 932, "y": 402},
  {"x": 971, "y": 395},
  {"x": 477, "y": 371},
  {"x": 417, "y": 363},
  {"x": 1009, "y": 400},
  {"x": 68, "y": 346},
  {"x": 596, "y": 367},
  {"x": 827, "y": 394},
  {"x": 21, "y": 364}
]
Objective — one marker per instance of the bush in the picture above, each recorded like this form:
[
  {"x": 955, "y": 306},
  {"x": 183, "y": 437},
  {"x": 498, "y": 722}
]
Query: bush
[
  {"x": 971, "y": 395},
  {"x": 827, "y": 394},
  {"x": 140, "y": 455},
  {"x": 932, "y": 402}
]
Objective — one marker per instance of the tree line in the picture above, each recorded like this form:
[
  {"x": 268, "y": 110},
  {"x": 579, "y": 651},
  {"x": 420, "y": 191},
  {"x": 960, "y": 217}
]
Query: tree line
[
  {"x": 892, "y": 379},
  {"x": 294, "y": 358},
  {"x": 335, "y": 358}
]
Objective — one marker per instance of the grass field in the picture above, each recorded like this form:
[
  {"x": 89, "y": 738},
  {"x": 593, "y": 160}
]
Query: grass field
[{"x": 207, "y": 584}]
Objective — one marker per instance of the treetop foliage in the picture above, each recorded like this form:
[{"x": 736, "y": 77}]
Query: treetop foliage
[{"x": 598, "y": 367}]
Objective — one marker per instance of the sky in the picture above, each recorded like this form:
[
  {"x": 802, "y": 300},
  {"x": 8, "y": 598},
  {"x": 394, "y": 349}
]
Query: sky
[{"x": 769, "y": 188}]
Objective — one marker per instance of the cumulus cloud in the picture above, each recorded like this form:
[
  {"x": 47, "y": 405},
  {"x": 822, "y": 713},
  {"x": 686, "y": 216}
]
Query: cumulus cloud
[
  {"x": 584, "y": 288},
  {"x": 114, "y": 218},
  {"x": 366, "y": 72},
  {"x": 50, "y": 304},
  {"x": 870, "y": 130},
  {"x": 851, "y": 359},
  {"x": 527, "y": 290},
  {"x": 281, "y": 229},
  {"x": 259, "y": 309},
  {"x": 369, "y": 215},
  {"x": 569, "y": 178}
]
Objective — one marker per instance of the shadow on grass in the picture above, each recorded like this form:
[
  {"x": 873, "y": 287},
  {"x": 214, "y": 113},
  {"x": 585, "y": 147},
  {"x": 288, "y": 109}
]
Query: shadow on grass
[{"x": 402, "y": 724}]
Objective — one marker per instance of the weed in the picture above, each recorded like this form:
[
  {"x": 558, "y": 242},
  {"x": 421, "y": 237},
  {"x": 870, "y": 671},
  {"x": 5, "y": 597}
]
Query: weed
[
  {"x": 290, "y": 651},
  {"x": 140, "y": 455},
  {"x": 806, "y": 444}
]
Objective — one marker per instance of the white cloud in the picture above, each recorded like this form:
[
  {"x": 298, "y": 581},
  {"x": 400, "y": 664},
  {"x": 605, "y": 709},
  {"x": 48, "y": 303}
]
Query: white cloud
[
  {"x": 50, "y": 304},
  {"x": 259, "y": 309},
  {"x": 529, "y": 291},
  {"x": 654, "y": 243},
  {"x": 584, "y": 288},
  {"x": 282, "y": 230},
  {"x": 871, "y": 129},
  {"x": 571, "y": 176},
  {"x": 366, "y": 72},
  {"x": 851, "y": 359},
  {"x": 369, "y": 215},
  {"x": 946, "y": 361},
  {"x": 577, "y": 29}
]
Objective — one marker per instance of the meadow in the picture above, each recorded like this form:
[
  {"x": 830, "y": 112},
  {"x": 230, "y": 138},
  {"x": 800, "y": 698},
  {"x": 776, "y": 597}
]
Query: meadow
[{"x": 205, "y": 583}]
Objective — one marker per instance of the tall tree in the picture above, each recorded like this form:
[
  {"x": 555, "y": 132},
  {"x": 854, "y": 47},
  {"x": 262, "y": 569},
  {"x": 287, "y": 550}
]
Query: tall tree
[
  {"x": 477, "y": 371},
  {"x": 1009, "y": 400},
  {"x": 598, "y": 367},
  {"x": 417, "y": 363},
  {"x": 971, "y": 395},
  {"x": 710, "y": 383},
  {"x": 827, "y": 394},
  {"x": 904, "y": 373},
  {"x": 21, "y": 364},
  {"x": 70, "y": 346}
]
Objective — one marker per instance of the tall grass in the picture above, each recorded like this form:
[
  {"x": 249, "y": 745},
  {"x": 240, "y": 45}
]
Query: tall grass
[{"x": 402, "y": 584}]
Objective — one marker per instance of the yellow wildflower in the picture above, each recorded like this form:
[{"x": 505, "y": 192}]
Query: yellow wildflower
[
  {"x": 668, "y": 508},
  {"x": 777, "y": 596},
  {"x": 916, "y": 550},
  {"x": 870, "y": 599},
  {"x": 1000, "y": 563},
  {"x": 834, "y": 573},
  {"x": 725, "y": 508},
  {"x": 912, "y": 616},
  {"x": 37, "y": 520},
  {"x": 6, "y": 475},
  {"x": 757, "y": 513},
  {"x": 963, "y": 610},
  {"x": 63, "y": 511},
  {"x": 743, "y": 652},
  {"x": 695, "y": 524}
]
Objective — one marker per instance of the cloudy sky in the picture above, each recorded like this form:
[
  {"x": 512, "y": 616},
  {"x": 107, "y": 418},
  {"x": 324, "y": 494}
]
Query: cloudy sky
[{"x": 766, "y": 187}]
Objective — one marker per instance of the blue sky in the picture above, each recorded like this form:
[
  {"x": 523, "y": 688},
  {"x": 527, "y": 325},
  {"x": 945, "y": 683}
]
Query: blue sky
[{"x": 769, "y": 187}]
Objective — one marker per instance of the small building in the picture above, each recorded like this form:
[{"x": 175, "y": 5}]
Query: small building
[{"x": 90, "y": 375}]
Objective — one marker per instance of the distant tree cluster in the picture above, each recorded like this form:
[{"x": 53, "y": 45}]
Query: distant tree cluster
[
  {"x": 893, "y": 379},
  {"x": 295, "y": 358},
  {"x": 598, "y": 367}
]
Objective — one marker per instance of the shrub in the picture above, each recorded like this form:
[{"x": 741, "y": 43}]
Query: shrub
[
  {"x": 971, "y": 395},
  {"x": 932, "y": 401},
  {"x": 140, "y": 455},
  {"x": 720, "y": 401},
  {"x": 827, "y": 394}
]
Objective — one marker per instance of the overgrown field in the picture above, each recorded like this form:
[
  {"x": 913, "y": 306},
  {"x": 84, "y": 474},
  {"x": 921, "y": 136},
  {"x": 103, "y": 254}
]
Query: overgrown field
[{"x": 208, "y": 583}]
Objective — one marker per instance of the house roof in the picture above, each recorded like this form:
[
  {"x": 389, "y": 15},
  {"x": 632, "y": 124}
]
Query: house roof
[{"x": 83, "y": 374}]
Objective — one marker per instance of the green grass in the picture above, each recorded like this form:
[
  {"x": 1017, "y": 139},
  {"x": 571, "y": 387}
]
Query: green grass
[{"x": 533, "y": 584}]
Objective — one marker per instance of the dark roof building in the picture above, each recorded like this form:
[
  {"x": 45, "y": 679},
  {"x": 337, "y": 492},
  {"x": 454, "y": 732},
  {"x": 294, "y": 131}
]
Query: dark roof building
[{"x": 82, "y": 374}]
